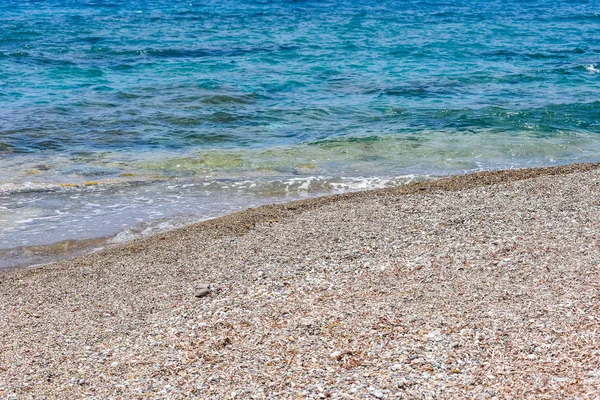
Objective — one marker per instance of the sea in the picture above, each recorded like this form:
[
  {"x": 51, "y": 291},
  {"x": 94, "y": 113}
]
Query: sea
[{"x": 123, "y": 118}]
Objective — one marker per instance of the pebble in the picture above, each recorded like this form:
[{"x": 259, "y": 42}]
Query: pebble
[
  {"x": 202, "y": 290},
  {"x": 377, "y": 393},
  {"x": 418, "y": 361},
  {"x": 435, "y": 336},
  {"x": 336, "y": 355}
]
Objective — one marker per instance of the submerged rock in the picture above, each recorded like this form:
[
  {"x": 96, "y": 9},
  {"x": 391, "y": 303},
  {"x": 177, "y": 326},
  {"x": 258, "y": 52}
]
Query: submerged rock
[{"x": 305, "y": 169}]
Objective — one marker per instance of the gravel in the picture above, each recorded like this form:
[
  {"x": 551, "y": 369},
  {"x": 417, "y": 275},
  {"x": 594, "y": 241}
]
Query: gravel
[{"x": 479, "y": 286}]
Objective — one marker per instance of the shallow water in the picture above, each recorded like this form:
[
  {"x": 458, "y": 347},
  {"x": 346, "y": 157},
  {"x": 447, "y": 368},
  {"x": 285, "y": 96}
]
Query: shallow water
[{"x": 121, "y": 116}]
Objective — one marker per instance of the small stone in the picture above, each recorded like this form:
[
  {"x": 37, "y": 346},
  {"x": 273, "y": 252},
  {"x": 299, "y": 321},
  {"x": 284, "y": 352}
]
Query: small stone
[
  {"x": 336, "y": 355},
  {"x": 435, "y": 336},
  {"x": 402, "y": 383},
  {"x": 377, "y": 393},
  {"x": 418, "y": 361},
  {"x": 396, "y": 367},
  {"x": 202, "y": 290}
]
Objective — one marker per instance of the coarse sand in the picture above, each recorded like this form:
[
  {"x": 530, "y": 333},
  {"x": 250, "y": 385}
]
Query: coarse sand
[{"x": 476, "y": 286}]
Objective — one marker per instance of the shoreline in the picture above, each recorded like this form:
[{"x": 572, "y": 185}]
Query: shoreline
[
  {"x": 40, "y": 234},
  {"x": 472, "y": 284},
  {"x": 52, "y": 253}
]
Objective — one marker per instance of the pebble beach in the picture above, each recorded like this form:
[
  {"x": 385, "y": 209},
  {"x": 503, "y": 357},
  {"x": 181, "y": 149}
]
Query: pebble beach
[{"x": 474, "y": 286}]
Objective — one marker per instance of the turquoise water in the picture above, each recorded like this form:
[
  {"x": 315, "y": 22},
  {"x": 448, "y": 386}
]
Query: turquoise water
[{"x": 261, "y": 101}]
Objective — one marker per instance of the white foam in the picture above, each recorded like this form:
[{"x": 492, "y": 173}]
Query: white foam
[
  {"x": 25, "y": 186},
  {"x": 25, "y": 221},
  {"x": 591, "y": 68},
  {"x": 368, "y": 183}
]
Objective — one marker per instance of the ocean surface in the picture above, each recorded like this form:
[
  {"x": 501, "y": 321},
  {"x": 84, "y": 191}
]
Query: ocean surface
[{"x": 122, "y": 118}]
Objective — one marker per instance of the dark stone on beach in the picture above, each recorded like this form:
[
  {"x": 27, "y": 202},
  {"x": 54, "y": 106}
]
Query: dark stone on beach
[{"x": 202, "y": 290}]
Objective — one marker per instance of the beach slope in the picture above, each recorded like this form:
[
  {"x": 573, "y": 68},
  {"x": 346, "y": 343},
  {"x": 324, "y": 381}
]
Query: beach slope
[{"x": 484, "y": 284}]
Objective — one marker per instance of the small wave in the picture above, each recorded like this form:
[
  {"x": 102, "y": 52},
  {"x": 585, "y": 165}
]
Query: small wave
[
  {"x": 100, "y": 4},
  {"x": 201, "y": 138},
  {"x": 221, "y": 117},
  {"x": 592, "y": 69},
  {"x": 549, "y": 54},
  {"x": 122, "y": 95},
  {"x": 226, "y": 99},
  {"x": 35, "y": 187},
  {"x": 580, "y": 17},
  {"x": 7, "y": 188},
  {"x": 150, "y": 228},
  {"x": 176, "y": 53},
  {"x": 315, "y": 185},
  {"x": 341, "y": 141},
  {"x": 369, "y": 183}
]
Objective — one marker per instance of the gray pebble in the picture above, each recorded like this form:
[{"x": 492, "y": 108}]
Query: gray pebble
[{"x": 202, "y": 290}]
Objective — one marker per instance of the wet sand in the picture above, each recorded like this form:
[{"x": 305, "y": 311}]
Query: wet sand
[{"x": 484, "y": 284}]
